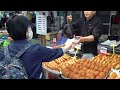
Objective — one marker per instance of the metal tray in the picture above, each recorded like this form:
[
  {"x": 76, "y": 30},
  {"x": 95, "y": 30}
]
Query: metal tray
[
  {"x": 64, "y": 77},
  {"x": 50, "y": 70},
  {"x": 69, "y": 78},
  {"x": 107, "y": 74}
]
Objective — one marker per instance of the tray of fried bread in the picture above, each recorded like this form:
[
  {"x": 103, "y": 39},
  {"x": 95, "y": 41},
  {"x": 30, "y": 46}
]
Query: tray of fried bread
[
  {"x": 86, "y": 69},
  {"x": 50, "y": 69},
  {"x": 58, "y": 64},
  {"x": 114, "y": 74}
]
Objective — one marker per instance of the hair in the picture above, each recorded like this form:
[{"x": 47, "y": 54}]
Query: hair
[{"x": 17, "y": 27}]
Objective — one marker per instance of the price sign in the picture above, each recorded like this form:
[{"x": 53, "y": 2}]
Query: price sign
[
  {"x": 103, "y": 50},
  {"x": 54, "y": 40}
]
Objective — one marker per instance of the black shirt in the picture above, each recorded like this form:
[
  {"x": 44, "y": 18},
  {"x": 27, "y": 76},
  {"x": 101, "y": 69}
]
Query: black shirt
[{"x": 85, "y": 28}]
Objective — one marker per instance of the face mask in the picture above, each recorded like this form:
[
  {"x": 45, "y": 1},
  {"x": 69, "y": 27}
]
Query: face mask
[{"x": 29, "y": 33}]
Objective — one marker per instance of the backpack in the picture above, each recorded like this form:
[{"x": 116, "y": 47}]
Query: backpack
[{"x": 11, "y": 66}]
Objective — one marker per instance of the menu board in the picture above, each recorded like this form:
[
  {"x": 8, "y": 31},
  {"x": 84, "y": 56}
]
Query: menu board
[{"x": 41, "y": 22}]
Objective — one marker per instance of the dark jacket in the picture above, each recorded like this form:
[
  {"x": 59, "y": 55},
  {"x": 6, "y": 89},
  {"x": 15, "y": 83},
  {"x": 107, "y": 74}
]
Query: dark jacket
[
  {"x": 85, "y": 28},
  {"x": 34, "y": 56}
]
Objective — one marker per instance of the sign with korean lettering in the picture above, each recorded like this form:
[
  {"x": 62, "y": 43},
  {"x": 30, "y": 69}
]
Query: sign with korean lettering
[
  {"x": 103, "y": 50},
  {"x": 41, "y": 23}
]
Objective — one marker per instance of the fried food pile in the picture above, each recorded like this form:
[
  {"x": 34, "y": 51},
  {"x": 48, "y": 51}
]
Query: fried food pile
[{"x": 60, "y": 63}]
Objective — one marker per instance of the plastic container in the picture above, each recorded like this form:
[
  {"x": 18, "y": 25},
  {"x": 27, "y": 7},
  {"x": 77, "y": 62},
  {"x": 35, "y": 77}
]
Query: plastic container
[{"x": 88, "y": 55}]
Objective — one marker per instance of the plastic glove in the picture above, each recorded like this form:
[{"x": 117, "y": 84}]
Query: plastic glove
[
  {"x": 78, "y": 40},
  {"x": 67, "y": 47}
]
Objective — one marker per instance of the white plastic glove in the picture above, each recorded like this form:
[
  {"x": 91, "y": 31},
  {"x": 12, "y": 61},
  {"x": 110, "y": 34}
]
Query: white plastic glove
[{"x": 67, "y": 47}]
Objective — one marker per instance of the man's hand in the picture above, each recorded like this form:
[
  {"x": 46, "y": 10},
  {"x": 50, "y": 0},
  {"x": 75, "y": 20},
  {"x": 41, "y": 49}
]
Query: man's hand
[
  {"x": 89, "y": 38},
  {"x": 69, "y": 18},
  {"x": 10, "y": 39},
  {"x": 79, "y": 40}
]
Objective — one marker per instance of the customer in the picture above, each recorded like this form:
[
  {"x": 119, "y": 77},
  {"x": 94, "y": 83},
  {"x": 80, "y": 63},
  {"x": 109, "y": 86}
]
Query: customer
[
  {"x": 89, "y": 30},
  {"x": 20, "y": 31}
]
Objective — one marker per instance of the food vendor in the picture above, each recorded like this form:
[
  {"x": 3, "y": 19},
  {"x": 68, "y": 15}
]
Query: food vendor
[{"x": 89, "y": 29}]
